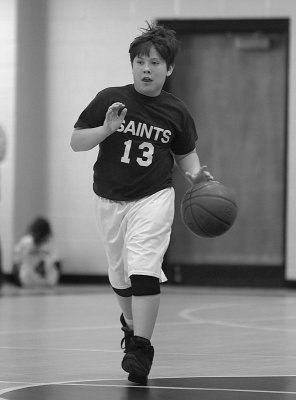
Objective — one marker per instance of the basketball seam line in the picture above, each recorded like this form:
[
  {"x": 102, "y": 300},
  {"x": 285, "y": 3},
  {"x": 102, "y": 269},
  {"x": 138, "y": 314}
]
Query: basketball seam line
[
  {"x": 213, "y": 195},
  {"x": 212, "y": 215},
  {"x": 193, "y": 217}
]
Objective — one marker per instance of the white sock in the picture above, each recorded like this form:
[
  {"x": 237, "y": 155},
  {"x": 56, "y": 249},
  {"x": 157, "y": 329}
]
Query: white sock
[{"x": 129, "y": 323}]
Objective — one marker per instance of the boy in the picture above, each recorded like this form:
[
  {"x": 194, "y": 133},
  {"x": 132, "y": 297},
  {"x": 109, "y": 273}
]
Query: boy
[{"x": 137, "y": 128}]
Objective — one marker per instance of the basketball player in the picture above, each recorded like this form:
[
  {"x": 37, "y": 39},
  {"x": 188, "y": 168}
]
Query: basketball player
[{"x": 140, "y": 130}]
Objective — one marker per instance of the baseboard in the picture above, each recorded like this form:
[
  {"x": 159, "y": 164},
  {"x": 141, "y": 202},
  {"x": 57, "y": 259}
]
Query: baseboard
[
  {"x": 199, "y": 275},
  {"x": 228, "y": 276},
  {"x": 71, "y": 279},
  {"x": 84, "y": 279}
]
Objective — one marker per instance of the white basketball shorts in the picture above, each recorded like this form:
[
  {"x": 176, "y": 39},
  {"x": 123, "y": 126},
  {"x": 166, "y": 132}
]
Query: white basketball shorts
[{"x": 136, "y": 235}]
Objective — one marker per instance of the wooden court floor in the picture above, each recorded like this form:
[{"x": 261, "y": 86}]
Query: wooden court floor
[{"x": 210, "y": 343}]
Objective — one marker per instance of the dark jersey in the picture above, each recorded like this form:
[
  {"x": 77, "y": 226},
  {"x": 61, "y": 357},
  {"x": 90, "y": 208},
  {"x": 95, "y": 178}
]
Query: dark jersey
[{"x": 136, "y": 160}]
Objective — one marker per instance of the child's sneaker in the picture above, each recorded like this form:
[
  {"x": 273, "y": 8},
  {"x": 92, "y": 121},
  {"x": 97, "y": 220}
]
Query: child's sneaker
[
  {"x": 138, "y": 360},
  {"x": 128, "y": 334}
]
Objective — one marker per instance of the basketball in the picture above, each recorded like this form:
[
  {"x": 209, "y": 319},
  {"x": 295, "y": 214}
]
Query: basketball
[{"x": 208, "y": 209}]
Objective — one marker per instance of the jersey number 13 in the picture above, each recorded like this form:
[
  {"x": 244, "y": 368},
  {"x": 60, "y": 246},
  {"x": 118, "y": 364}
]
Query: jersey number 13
[{"x": 147, "y": 153}]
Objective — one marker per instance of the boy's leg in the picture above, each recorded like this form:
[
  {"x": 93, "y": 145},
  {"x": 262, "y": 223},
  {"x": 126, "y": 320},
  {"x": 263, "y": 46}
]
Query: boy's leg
[
  {"x": 124, "y": 299},
  {"x": 111, "y": 223},
  {"x": 145, "y": 304},
  {"x": 145, "y": 311},
  {"x": 147, "y": 239}
]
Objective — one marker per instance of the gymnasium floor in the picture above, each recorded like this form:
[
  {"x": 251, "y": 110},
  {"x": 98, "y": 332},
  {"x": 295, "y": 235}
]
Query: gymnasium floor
[{"x": 211, "y": 344}]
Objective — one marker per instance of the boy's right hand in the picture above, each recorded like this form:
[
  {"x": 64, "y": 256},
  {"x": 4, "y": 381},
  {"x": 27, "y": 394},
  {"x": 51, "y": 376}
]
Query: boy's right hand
[
  {"x": 201, "y": 176},
  {"x": 114, "y": 117}
]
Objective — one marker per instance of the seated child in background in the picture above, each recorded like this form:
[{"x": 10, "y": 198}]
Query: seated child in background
[{"x": 35, "y": 260}]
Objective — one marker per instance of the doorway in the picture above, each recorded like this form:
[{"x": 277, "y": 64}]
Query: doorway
[{"x": 233, "y": 77}]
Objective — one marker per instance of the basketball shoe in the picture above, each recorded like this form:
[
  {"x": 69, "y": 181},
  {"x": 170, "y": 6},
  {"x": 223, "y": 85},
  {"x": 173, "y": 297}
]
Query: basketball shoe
[
  {"x": 138, "y": 360},
  {"x": 128, "y": 334}
]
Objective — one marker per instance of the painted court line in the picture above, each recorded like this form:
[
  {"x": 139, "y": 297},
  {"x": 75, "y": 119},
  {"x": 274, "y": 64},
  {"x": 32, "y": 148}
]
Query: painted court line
[
  {"x": 87, "y": 383},
  {"x": 186, "y": 388},
  {"x": 58, "y": 349},
  {"x": 80, "y": 350},
  {"x": 86, "y": 328},
  {"x": 186, "y": 314},
  {"x": 7, "y": 390},
  {"x": 199, "y": 389},
  {"x": 153, "y": 378}
]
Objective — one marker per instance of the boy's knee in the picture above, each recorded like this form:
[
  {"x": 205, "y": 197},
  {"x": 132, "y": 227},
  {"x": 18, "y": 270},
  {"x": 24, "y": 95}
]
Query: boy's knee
[
  {"x": 144, "y": 285},
  {"x": 123, "y": 292}
]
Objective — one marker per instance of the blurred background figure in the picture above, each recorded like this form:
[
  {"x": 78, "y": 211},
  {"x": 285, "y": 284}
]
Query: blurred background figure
[
  {"x": 3, "y": 145},
  {"x": 35, "y": 260}
]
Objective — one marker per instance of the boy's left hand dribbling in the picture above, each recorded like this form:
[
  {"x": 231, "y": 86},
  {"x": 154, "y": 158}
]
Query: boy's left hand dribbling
[{"x": 201, "y": 176}]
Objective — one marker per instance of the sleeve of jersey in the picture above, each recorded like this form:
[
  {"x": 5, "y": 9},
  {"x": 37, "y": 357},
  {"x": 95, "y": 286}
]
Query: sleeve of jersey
[
  {"x": 185, "y": 139},
  {"x": 94, "y": 114}
]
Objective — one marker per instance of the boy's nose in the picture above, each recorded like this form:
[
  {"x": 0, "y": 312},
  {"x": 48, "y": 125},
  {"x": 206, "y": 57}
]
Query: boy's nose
[{"x": 146, "y": 68}]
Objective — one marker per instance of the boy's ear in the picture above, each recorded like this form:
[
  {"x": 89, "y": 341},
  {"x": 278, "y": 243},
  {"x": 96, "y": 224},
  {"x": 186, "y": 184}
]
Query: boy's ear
[{"x": 170, "y": 70}]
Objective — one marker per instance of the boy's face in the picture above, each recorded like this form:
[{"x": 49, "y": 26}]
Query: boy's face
[{"x": 150, "y": 73}]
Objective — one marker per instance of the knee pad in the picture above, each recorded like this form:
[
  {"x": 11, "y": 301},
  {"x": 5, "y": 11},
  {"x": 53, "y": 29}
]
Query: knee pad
[
  {"x": 144, "y": 285},
  {"x": 123, "y": 292}
]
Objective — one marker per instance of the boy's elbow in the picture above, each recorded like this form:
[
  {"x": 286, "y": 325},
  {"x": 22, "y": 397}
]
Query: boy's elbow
[
  {"x": 73, "y": 146},
  {"x": 74, "y": 143}
]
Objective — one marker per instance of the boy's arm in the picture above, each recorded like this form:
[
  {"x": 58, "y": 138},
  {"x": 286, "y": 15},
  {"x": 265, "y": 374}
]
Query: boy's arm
[
  {"x": 87, "y": 139},
  {"x": 190, "y": 167}
]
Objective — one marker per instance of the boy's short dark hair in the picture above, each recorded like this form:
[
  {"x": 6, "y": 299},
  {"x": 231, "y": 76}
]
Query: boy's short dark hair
[{"x": 163, "y": 39}]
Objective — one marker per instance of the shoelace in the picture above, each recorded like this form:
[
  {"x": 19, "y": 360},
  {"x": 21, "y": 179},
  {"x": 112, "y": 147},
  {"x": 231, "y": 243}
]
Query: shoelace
[{"x": 127, "y": 336}]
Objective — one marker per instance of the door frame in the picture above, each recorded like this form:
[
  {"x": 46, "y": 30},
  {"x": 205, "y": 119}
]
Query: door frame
[{"x": 247, "y": 26}]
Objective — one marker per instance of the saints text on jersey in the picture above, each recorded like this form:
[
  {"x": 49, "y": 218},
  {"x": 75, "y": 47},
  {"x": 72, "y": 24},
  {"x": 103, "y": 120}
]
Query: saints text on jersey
[{"x": 141, "y": 129}]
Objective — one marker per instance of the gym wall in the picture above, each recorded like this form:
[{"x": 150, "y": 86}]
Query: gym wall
[{"x": 55, "y": 56}]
